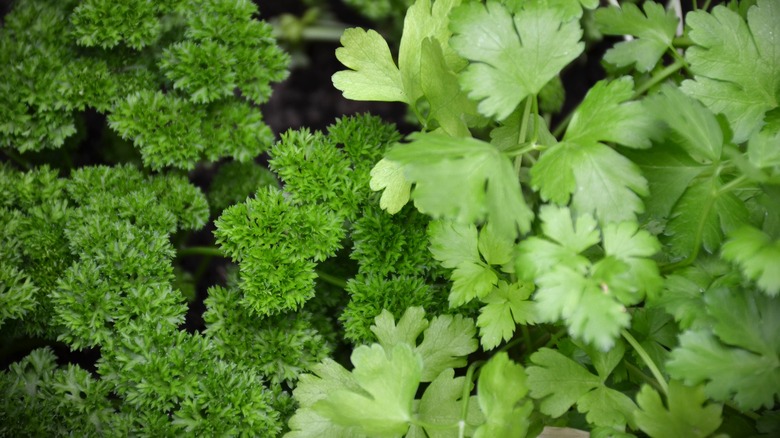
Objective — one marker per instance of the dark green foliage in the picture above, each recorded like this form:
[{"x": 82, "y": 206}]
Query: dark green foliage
[
  {"x": 166, "y": 74},
  {"x": 235, "y": 182}
]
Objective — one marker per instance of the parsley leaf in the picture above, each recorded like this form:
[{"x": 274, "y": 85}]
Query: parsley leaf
[
  {"x": 685, "y": 414},
  {"x": 560, "y": 382},
  {"x": 736, "y": 64},
  {"x": 757, "y": 255},
  {"x": 589, "y": 297},
  {"x": 383, "y": 404},
  {"x": 654, "y": 30},
  {"x": 388, "y": 176},
  {"x": 373, "y": 74},
  {"x": 489, "y": 189},
  {"x": 736, "y": 355},
  {"x": 504, "y": 308},
  {"x": 441, "y": 405},
  {"x": 597, "y": 178},
  {"x": 512, "y": 56},
  {"x": 501, "y": 385}
]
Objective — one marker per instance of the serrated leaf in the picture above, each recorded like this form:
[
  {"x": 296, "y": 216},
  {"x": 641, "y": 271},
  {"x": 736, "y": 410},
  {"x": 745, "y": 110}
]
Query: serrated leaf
[
  {"x": 692, "y": 126},
  {"x": 764, "y": 149},
  {"x": 409, "y": 327},
  {"x": 598, "y": 180},
  {"x": 441, "y": 405},
  {"x": 488, "y": 189},
  {"x": 373, "y": 74},
  {"x": 511, "y": 56},
  {"x": 453, "y": 243},
  {"x": 505, "y": 308},
  {"x": 607, "y": 114},
  {"x": 388, "y": 380},
  {"x": 559, "y": 383},
  {"x": 757, "y": 256},
  {"x": 471, "y": 280},
  {"x": 448, "y": 103},
  {"x": 446, "y": 343},
  {"x": 702, "y": 216},
  {"x": 501, "y": 385},
  {"x": 654, "y": 30},
  {"x": 388, "y": 176},
  {"x": 736, "y": 64},
  {"x": 494, "y": 248},
  {"x": 686, "y": 415}
]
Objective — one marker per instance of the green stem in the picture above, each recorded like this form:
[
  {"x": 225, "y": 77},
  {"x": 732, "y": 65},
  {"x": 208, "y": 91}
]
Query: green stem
[
  {"x": 331, "y": 279},
  {"x": 651, "y": 381},
  {"x": 647, "y": 360},
  {"x": 682, "y": 42},
  {"x": 322, "y": 33},
  {"x": 523, "y": 132},
  {"x": 659, "y": 77},
  {"x": 555, "y": 338},
  {"x": 558, "y": 131},
  {"x": 201, "y": 250},
  {"x": 732, "y": 184},
  {"x": 526, "y": 337},
  {"x": 16, "y": 158},
  {"x": 535, "y": 111},
  {"x": 464, "y": 411}
]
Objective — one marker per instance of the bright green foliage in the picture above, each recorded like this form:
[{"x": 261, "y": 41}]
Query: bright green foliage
[
  {"x": 379, "y": 9},
  {"x": 560, "y": 383},
  {"x": 281, "y": 279},
  {"x": 654, "y": 30},
  {"x": 489, "y": 190},
  {"x": 512, "y": 55},
  {"x": 736, "y": 354},
  {"x": 763, "y": 150},
  {"x": 378, "y": 397},
  {"x": 236, "y": 181},
  {"x": 684, "y": 415},
  {"x": 589, "y": 296},
  {"x": 206, "y": 48},
  {"x": 281, "y": 347},
  {"x": 370, "y": 295},
  {"x": 505, "y": 307},
  {"x": 596, "y": 178},
  {"x": 736, "y": 64},
  {"x": 502, "y": 384},
  {"x": 757, "y": 255}
]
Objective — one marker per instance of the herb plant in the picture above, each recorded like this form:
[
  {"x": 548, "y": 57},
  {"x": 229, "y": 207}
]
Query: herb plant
[{"x": 503, "y": 271}]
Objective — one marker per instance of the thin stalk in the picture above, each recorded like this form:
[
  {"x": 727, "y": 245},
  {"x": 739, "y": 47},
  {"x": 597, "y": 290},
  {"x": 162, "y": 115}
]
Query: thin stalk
[
  {"x": 331, "y": 279},
  {"x": 647, "y": 360},
  {"x": 732, "y": 184},
  {"x": 659, "y": 77},
  {"x": 558, "y": 131},
  {"x": 16, "y": 158},
  {"x": 526, "y": 336},
  {"x": 682, "y": 42},
  {"x": 464, "y": 411},
  {"x": 201, "y": 250},
  {"x": 635, "y": 369},
  {"x": 535, "y": 112},
  {"x": 523, "y": 132},
  {"x": 555, "y": 338},
  {"x": 322, "y": 33}
]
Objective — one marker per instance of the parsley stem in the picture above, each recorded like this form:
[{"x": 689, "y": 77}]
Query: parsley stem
[
  {"x": 16, "y": 158},
  {"x": 524, "y": 121},
  {"x": 331, "y": 279},
  {"x": 647, "y": 360},
  {"x": 201, "y": 250},
  {"x": 464, "y": 411},
  {"x": 732, "y": 184},
  {"x": 562, "y": 125},
  {"x": 659, "y": 77},
  {"x": 636, "y": 370}
]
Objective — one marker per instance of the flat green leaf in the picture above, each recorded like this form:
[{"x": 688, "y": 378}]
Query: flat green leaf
[
  {"x": 501, "y": 385},
  {"x": 764, "y": 149},
  {"x": 559, "y": 383},
  {"x": 607, "y": 114},
  {"x": 598, "y": 180},
  {"x": 487, "y": 188},
  {"x": 388, "y": 176},
  {"x": 373, "y": 74},
  {"x": 426, "y": 20},
  {"x": 686, "y": 415},
  {"x": 692, "y": 126},
  {"x": 702, "y": 216},
  {"x": 511, "y": 56},
  {"x": 453, "y": 243},
  {"x": 654, "y": 30},
  {"x": 388, "y": 382},
  {"x": 441, "y": 405},
  {"x": 505, "y": 308},
  {"x": 757, "y": 256},
  {"x": 471, "y": 280},
  {"x": 409, "y": 327},
  {"x": 446, "y": 343},
  {"x": 449, "y": 105},
  {"x": 736, "y": 64}
]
